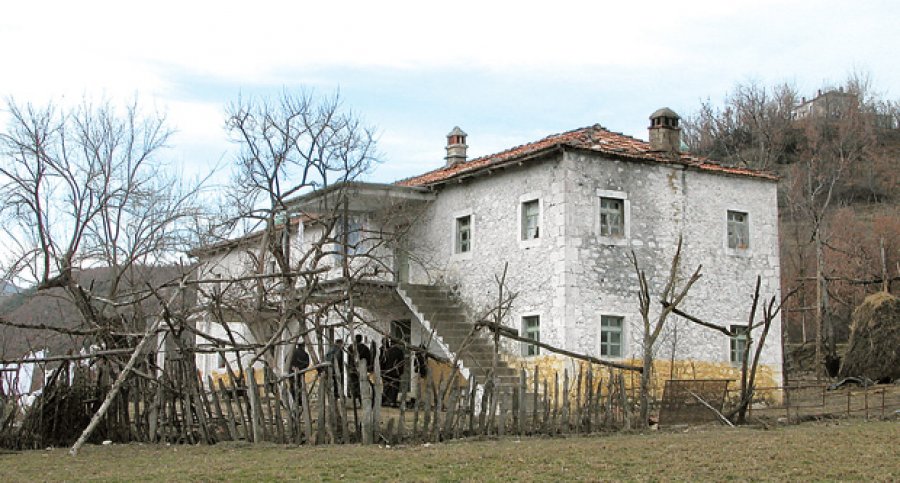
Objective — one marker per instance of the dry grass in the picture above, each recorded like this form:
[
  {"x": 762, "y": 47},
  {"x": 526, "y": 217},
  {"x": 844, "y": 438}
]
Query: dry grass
[{"x": 840, "y": 450}]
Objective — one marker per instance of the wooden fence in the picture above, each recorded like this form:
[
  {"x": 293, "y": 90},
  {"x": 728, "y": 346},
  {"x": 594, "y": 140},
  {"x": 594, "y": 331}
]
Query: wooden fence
[
  {"x": 179, "y": 407},
  {"x": 811, "y": 401}
]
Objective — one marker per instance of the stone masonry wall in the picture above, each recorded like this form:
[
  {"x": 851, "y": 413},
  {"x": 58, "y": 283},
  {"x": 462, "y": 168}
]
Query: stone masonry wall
[
  {"x": 536, "y": 267},
  {"x": 663, "y": 202},
  {"x": 572, "y": 276}
]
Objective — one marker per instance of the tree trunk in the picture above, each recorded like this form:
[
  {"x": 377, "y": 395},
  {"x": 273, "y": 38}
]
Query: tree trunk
[{"x": 645, "y": 381}]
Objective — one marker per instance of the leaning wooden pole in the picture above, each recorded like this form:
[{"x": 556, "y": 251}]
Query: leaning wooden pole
[{"x": 151, "y": 330}]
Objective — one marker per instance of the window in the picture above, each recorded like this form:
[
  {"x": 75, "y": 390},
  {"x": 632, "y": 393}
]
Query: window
[
  {"x": 738, "y": 343},
  {"x": 611, "y": 335},
  {"x": 463, "y": 234},
  {"x": 531, "y": 327},
  {"x": 531, "y": 211},
  {"x": 738, "y": 230},
  {"x": 612, "y": 217}
]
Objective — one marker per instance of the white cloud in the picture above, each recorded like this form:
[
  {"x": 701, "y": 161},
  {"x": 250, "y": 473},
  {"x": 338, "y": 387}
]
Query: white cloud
[
  {"x": 88, "y": 45},
  {"x": 650, "y": 52}
]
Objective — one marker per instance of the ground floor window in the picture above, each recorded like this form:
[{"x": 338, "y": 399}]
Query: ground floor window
[
  {"x": 611, "y": 335},
  {"x": 738, "y": 343},
  {"x": 531, "y": 328}
]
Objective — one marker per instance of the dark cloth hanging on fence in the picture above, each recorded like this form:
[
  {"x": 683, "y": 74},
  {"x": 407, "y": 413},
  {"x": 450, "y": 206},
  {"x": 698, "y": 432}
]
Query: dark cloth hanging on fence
[
  {"x": 392, "y": 363},
  {"x": 299, "y": 359},
  {"x": 358, "y": 351},
  {"x": 299, "y": 362},
  {"x": 421, "y": 363},
  {"x": 335, "y": 357}
]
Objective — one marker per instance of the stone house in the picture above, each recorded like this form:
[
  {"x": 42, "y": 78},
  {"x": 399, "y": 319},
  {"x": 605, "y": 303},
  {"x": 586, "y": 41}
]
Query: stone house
[{"x": 563, "y": 212}]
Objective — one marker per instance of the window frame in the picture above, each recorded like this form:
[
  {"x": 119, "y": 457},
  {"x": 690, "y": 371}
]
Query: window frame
[
  {"x": 737, "y": 344},
  {"x": 526, "y": 347},
  {"x": 622, "y": 339},
  {"x": 521, "y": 224},
  {"x": 626, "y": 217},
  {"x": 463, "y": 237},
  {"x": 454, "y": 234},
  {"x": 736, "y": 250}
]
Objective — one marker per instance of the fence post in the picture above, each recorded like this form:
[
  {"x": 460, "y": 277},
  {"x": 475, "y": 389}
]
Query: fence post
[
  {"x": 848, "y": 402},
  {"x": 866, "y": 399},
  {"x": 254, "y": 405},
  {"x": 787, "y": 404}
]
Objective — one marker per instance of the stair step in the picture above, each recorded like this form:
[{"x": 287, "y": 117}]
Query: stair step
[
  {"x": 450, "y": 321},
  {"x": 441, "y": 315}
]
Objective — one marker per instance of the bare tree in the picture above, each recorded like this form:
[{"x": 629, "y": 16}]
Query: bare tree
[
  {"x": 298, "y": 148},
  {"x": 753, "y": 129},
  {"x": 749, "y": 364},
  {"x": 92, "y": 216},
  {"x": 85, "y": 188},
  {"x": 834, "y": 153},
  {"x": 671, "y": 296}
]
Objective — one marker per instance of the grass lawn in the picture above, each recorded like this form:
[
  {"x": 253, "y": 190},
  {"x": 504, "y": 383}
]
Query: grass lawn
[{"x": 839, "y": 450}]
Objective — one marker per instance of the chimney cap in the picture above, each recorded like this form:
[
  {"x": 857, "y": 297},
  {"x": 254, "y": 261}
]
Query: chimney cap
[
  {"x": 457, "y": 132},
  {"x": 664, "y": 112}
]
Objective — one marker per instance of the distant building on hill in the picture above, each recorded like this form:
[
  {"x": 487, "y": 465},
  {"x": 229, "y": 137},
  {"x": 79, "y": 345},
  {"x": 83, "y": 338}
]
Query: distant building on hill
[{"x": 828, "y": 104}]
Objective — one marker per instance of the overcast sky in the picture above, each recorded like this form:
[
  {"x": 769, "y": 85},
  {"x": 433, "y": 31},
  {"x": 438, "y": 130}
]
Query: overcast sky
[{"x": 506, "y": 72}]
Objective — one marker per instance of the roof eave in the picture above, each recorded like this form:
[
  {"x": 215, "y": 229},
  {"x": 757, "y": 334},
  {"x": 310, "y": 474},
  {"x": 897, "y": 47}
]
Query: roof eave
[
  {"x": 315, "y": 201},
  {"x": 724, "y": 171},
  {"x": 490, "y": 168}
]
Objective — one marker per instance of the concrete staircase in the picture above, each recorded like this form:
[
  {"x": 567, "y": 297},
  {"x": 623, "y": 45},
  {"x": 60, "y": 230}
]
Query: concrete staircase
[{"x": 439, "y": 310}]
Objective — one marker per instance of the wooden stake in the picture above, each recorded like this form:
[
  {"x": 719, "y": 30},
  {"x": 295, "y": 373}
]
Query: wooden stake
[
  {"x": 255, "y": 410},
  {"x": 579, "y": 403},
  {"x": 95, "y": 420},
  {"x": 401, "y": 423},
  {"x": 365, "y": 391},
  {"x": 523, "y": 389},
  {"x": 555, "y": 421},
  {"x": 545, "y": 423},
  {"x": 471, "y": 394},
  {"x": 229, "y": 420},
  {"x": 307, "y": 411},
  {"x": 415, "y": 428},
  {"x": 565, "y": 402}
]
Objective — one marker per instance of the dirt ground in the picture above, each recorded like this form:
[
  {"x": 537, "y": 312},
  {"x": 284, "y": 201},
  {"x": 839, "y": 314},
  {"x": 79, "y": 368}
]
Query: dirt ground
[{"x": 835, "y": 450}]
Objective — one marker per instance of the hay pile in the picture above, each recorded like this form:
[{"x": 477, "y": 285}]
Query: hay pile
[{"x": 874, "y": 348}]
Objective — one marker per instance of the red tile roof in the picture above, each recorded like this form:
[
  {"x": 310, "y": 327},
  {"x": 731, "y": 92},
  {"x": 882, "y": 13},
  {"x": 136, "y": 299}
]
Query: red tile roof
[{"x": 593, "y": 138}]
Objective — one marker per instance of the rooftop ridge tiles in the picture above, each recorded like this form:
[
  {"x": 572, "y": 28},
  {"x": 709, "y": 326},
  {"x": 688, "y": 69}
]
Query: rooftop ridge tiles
[{"x": 594, "y": 138}]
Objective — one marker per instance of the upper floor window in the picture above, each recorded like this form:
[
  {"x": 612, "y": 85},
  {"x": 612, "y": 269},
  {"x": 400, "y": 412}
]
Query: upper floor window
[
  {"x": 531, "y": 215},
  {"x": 612, "y": 217},
  {"x": 611, "y": 335},
  {"x": 738, "y": 230},
  {"x": 463, "y": 237},
  {"x": 531, "y": 328}
]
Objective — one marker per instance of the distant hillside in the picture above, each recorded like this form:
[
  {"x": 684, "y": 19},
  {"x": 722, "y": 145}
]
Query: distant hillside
[
  {"x": 7, "y": 288},
  {"x": 838, "y": 159},
  {"x": 54, "y": 308}
]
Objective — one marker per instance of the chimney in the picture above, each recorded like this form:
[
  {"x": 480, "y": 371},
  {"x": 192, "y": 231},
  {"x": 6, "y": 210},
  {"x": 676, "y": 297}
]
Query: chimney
[
  {"x": 456, "y": 147},
  {"x": 665, "y": 134}
]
